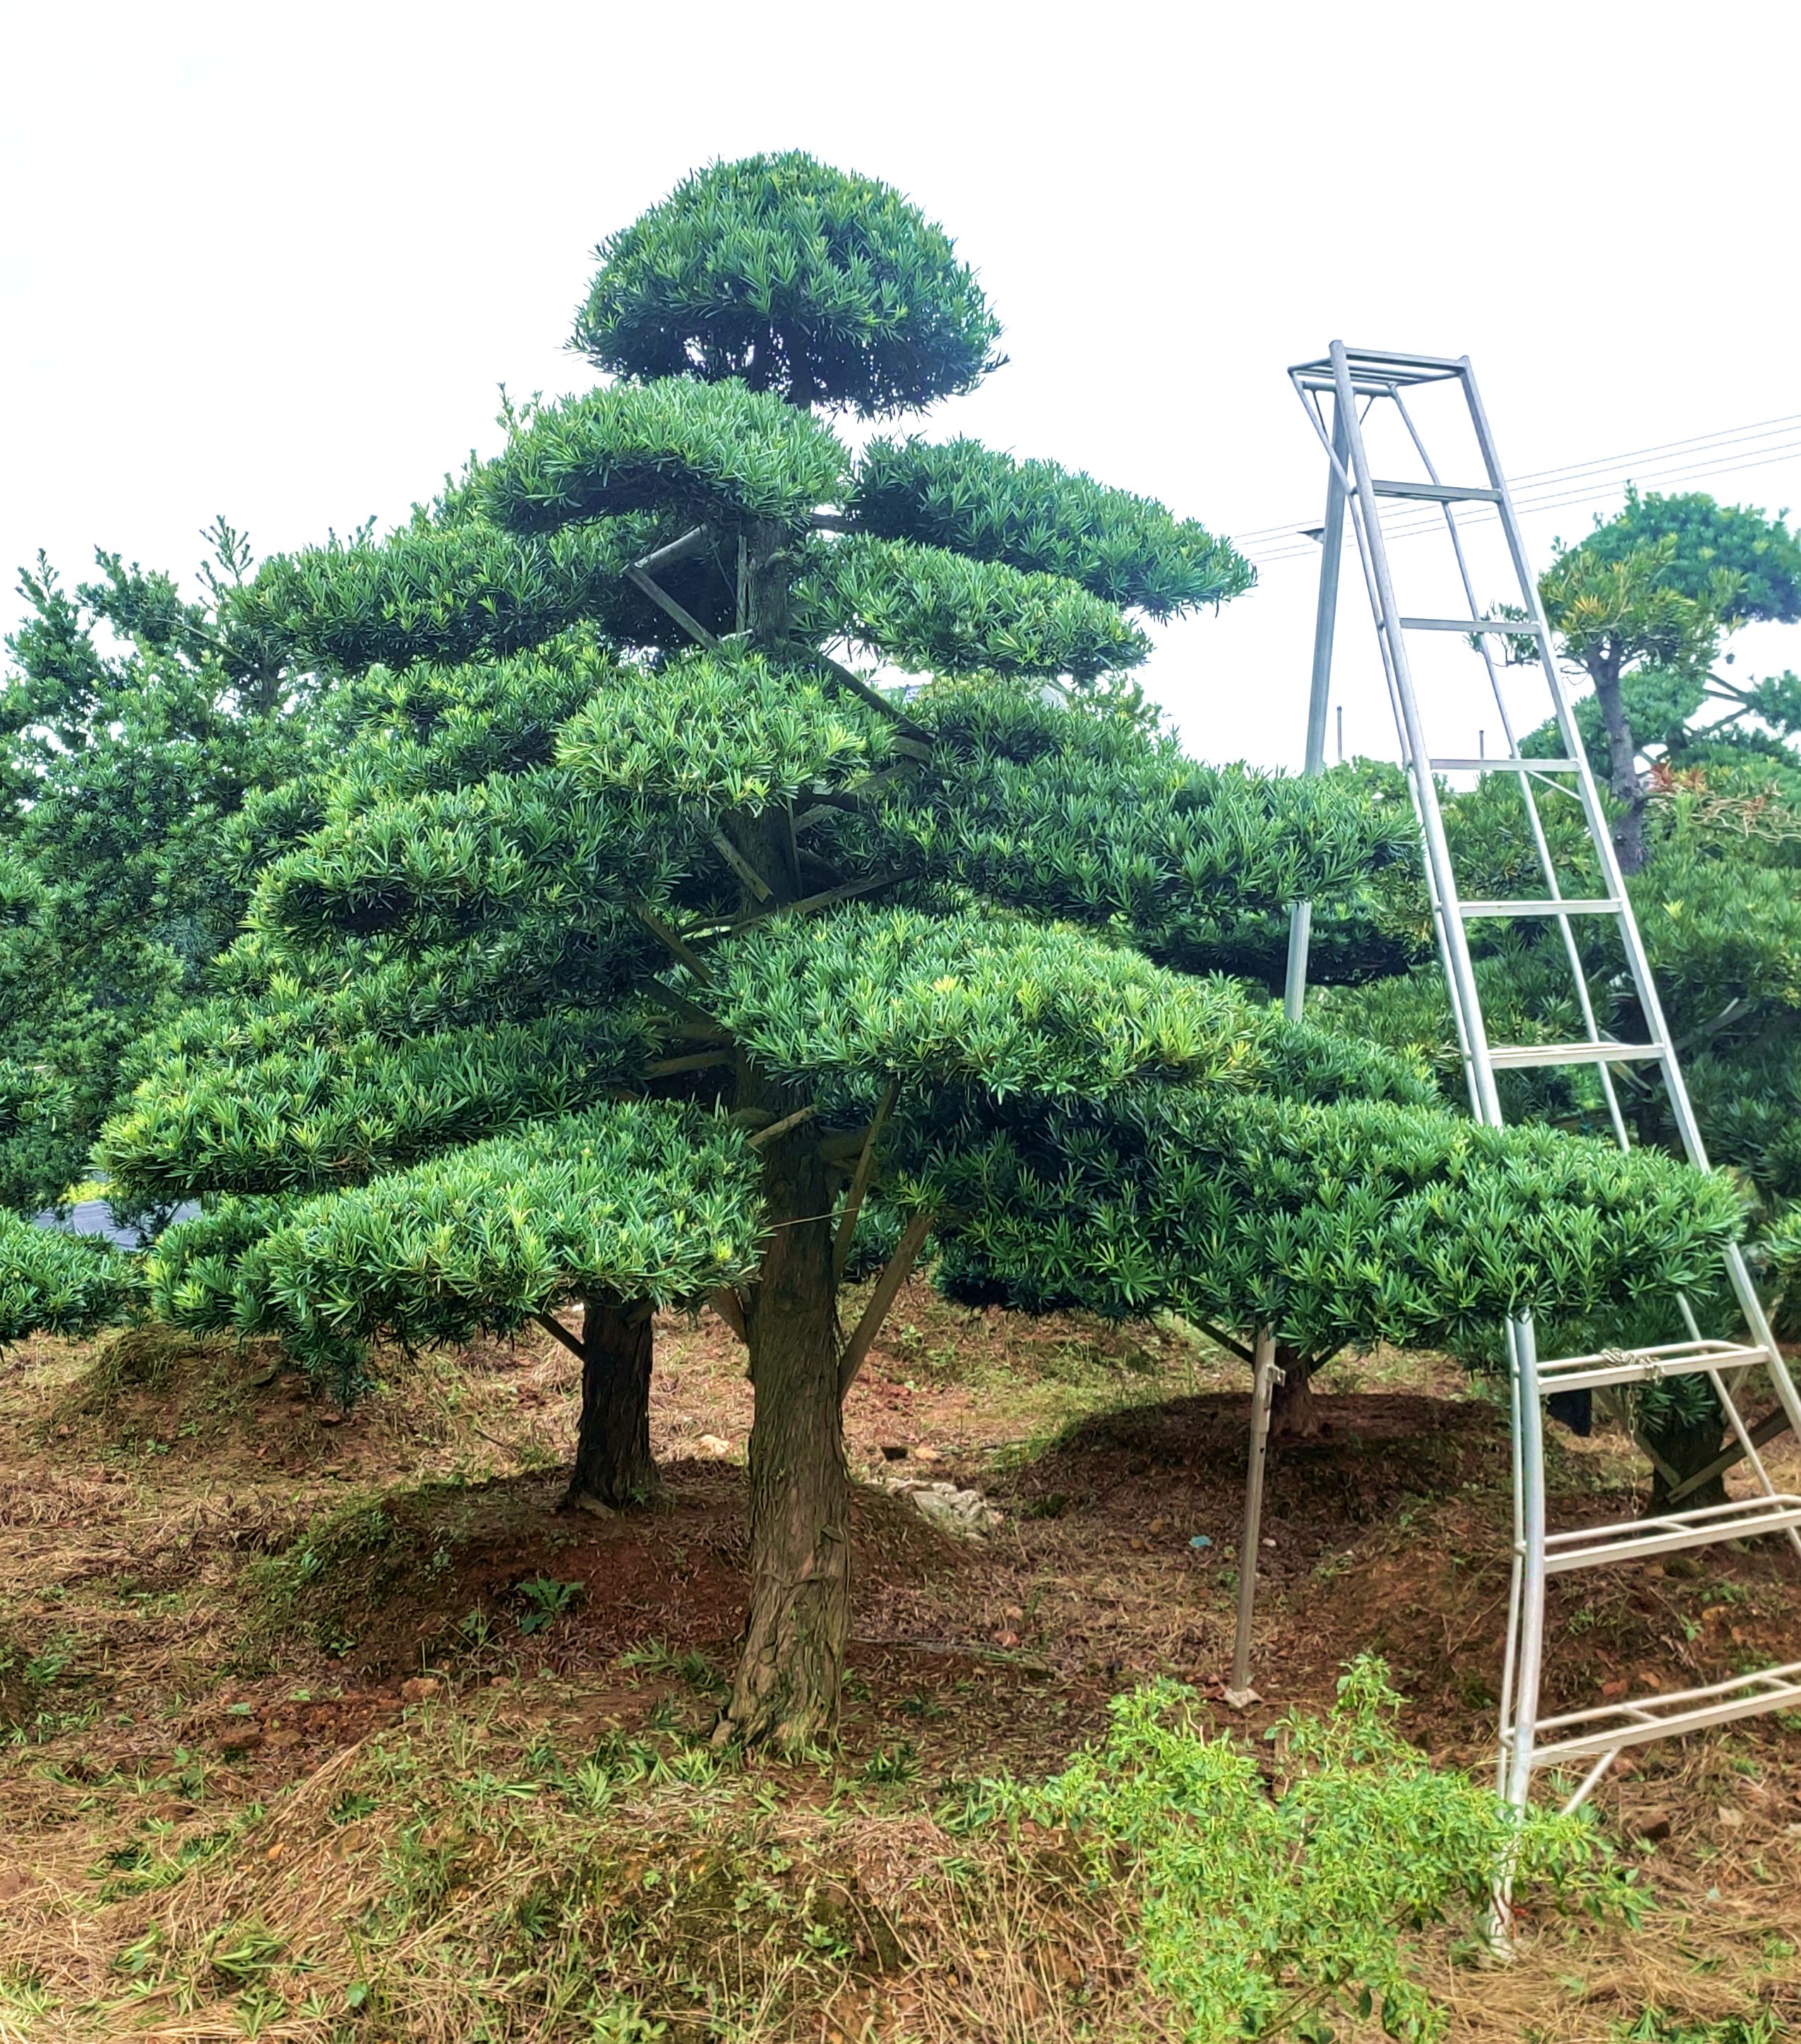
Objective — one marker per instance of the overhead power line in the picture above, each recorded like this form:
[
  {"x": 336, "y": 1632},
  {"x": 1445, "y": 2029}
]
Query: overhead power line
[{"x": 1728, "y": 451}]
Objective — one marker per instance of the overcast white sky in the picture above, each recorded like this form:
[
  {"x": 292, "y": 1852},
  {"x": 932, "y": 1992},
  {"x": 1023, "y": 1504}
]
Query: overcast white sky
[{"x": 273, "y": 260}]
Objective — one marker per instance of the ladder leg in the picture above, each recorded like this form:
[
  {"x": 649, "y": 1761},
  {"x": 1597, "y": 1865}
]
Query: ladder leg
[
  {"x": 1326, "y": 618},
  {"x": 1238, "y": 1692},
  {"x": 1522, "y": 1358}
]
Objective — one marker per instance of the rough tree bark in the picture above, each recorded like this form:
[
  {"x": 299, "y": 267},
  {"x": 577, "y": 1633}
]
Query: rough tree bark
[
  {"x": 1294, "y": 1411},
  {"x": 786, "y": 1689},
  {"x": 614, "y": 1469},
  {"x": 1622, "y": 751}
]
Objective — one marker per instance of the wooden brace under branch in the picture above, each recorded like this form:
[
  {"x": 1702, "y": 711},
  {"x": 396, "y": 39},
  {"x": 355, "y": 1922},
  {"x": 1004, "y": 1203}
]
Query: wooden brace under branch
[
  {"x": 670, "y": 942},
  {"x": 1767, "y": 1429},
  {"x": 860, "y": 1184},
  {"x": 895, "y": 1274},
  {"x": 666, "y": 603},
  {"x": 678, "y": 551},
  {"x": 730, "y": 1308},
  {"x": 552, "y": 1325},
  {"x": 876, "y": 700},
  {"x": 788, "y": 1121}
]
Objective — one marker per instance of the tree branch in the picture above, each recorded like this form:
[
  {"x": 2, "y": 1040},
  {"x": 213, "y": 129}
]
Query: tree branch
[{"x": 553, "y": 1325}]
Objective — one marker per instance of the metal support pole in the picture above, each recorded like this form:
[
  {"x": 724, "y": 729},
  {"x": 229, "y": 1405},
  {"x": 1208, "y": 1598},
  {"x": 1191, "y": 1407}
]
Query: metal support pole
[
  {"x": 1264, "y": 1377},
  {"x": 1325, "y": 621}
]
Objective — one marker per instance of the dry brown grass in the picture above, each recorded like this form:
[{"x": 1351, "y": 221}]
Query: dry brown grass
[{"x": 167, "y": 1781}]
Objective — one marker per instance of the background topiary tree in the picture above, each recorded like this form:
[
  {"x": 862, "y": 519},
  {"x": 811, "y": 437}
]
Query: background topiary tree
[
  {"x": 128, "y": 747},
  {"x": 640, "y": 932},
  {"x": 1707, "y": 785}
]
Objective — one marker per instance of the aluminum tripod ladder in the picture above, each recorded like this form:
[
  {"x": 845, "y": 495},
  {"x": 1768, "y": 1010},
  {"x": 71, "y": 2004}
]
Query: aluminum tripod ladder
[{"x": 1340, "y": 392}]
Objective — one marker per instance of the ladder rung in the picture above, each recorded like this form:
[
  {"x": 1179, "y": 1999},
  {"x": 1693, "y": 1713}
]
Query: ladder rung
[
  {"x": 1643, "y": 1365},
  {"x": 1635, "y": 1539},
  {"x": 1513, "y": 627},
  {"x": 1437, "y": 493},
  {"x": 1505, "y": 764},
  {"x": 1525, "y": 1057},
  {"x": 1591, "y": 1733},
  {"x": 1469, "y": 910}
]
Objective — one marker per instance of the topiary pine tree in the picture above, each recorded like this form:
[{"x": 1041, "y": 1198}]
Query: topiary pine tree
[{"x": 640, "y": 939}]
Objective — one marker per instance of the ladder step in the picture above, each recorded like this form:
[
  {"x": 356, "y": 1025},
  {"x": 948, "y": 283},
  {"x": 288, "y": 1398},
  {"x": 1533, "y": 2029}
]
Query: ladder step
[
  {"x": 1514, "y": 628},
  {"x": 1469, "y": 910},
  {"x": 1587, "y": 1734},
  {"x": 1525, "y": 1057},
  {"x": 1635, "y": 1539},
  {"x": 1644, "y": 1365},
  {"x": 1505, "y": 763},
  {"x": 1437, "y": 493}
]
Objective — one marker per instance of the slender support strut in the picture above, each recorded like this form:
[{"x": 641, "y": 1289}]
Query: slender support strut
[{"x": 1264, "y": 1377}]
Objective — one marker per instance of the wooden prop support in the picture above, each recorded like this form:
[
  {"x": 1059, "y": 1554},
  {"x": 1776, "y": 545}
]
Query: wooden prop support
[
  {"x": 860, "y": 1184},
  {"x": 1239, "y": 1692},
  {"x": 887, "y": 1289}
]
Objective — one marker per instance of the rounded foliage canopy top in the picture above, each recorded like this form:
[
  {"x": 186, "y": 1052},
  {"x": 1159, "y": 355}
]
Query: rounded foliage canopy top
[{"x": 821, "y": 287}]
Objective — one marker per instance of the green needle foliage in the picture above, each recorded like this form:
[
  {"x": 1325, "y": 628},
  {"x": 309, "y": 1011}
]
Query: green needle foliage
[
  {"x": 1707, "y": 782},
  {"x": 724, "y": 732},
  {"x": 934, "y": 612},
  {"x": 1044, "y": 520},
  {"x": 824, "y": 288},
  {"x": 596, "y": 971},
  {"x": 641, "y": 1200},
  {"x": 1280, "y": 1915},
  {"x": 713, "y": 450},
  {"x": 60, "y": 1284}
]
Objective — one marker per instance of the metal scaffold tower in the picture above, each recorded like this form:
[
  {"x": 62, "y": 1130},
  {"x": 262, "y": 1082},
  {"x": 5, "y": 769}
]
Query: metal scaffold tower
[{"x": 1353, "y": 396}]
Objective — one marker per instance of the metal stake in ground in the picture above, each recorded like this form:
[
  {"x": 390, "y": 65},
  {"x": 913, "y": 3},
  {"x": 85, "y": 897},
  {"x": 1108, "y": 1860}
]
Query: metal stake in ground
[{"x": 1264, "y": 1378}]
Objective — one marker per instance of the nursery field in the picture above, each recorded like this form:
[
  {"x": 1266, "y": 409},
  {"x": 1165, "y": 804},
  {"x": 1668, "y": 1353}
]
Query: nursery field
[{"x": 327, "y": 1726}]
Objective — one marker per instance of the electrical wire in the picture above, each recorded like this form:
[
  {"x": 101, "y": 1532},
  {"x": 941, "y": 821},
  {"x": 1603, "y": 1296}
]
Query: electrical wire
[
  {"x": 1599, "y": 489},
  {"x": 1548, "y": 489}
]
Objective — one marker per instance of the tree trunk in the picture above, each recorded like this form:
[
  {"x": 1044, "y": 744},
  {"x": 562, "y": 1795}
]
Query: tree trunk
[
  {"x": 1688, "y": 1445},
  {"x": 786, "y": 1692},
  {"x": 1622, "y": 751},
  {"x": 1294, "y": 1411},
  {"x": 614, "y": 1469}
]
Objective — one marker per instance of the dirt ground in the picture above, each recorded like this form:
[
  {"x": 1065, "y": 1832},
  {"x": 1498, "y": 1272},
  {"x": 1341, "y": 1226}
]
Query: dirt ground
[{"x": 221, "y": 1601}]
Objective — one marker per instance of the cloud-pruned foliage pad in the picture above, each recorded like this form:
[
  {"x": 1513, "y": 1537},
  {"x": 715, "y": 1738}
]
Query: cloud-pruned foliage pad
[
  {"x": 727, "y": 730},
  {"x": 979, "y": 997},
  {"x": 1333, "y": 1223},
  {"x": 465, "y": 591},
  {"x": 268, "y": 1104},
  {"x": 708, "y": 450},
  {"x": 440, "y": 867},
  {"x": 932, "y": 611},
  {"x": 59, "y": 1284},
  {"x": 1044, "y": 520},
  {"x": 821, "y": 286},
  {"x": 640, "y": 1200}
]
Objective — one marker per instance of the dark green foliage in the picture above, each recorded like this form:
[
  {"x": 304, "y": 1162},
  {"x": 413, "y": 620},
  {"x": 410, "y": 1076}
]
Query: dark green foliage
[
  {"x": 129, "y": 746},
  {"x": 1014, "y": 1006},
  {"x": 1707, "y": 537},
  {"x": 823, "y": 287},
  {"x": 1043, "y": 519},
  {"x": 701, "y": 450},
  {"x": 722, "y": 731},
  {"x": 454, "y": 593},
  {"x": 1062, "y": 811},
  {"x": 59, "y": 1284},
  {"x": 442, "y": 868},
  {"x": 1357, "y": 1222},
  {"x": 272, "y": 1103},
  {"x": 932, "y": 611},
  {"x": 638, "y": 1199}
]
